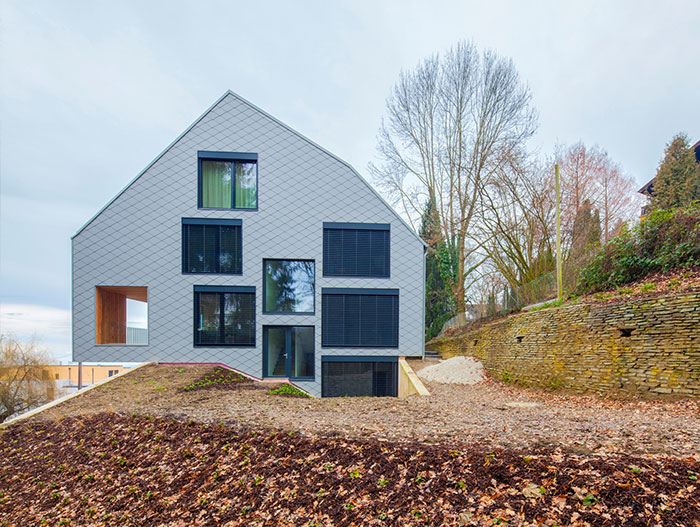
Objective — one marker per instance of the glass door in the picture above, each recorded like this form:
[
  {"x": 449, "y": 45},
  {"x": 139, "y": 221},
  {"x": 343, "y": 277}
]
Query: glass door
[{"x": 288, "y": 351}]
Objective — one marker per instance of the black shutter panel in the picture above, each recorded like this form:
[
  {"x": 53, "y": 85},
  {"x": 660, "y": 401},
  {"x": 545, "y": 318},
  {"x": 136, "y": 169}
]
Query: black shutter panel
[
  {"x": 378, "y": 254},
  {"x": 356, "y": 252},
  {"x": 352, "y": 321},
  {"x": 363, "y": 254},
  {"x": 360, "y": 320},
  {"x": 332, "y": 252},
  {"x": 333, "y": 317}
]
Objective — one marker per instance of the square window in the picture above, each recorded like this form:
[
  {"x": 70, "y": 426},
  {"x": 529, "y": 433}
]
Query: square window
[
  {"x": 228, "y": 180},
  {"x": 121, "y": 315},
  {"x": 360, "y": 250},
  {"x": 211, "y": 246},
  {"x": 360, "y": 318},
  {"x": 224, "y": 316},
  {"x": 289, "y": 286}
]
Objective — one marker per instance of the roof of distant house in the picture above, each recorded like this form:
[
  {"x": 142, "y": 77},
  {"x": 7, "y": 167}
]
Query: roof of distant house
[{"x": 648, "y": 188}]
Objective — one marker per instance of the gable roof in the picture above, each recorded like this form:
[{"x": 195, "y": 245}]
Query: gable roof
[
  {"x": 287, "y": 127},
  {"x": 648, "y": 188}
]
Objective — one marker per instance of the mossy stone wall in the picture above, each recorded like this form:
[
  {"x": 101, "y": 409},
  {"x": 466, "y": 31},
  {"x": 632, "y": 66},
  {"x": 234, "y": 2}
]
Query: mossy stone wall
[{"x": 649, "y": 347}]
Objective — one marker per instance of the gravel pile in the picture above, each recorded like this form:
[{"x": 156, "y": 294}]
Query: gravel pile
[{"x": 457, "y": 370}]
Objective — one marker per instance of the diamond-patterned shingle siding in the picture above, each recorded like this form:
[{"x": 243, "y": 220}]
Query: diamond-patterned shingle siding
[{"x": 136, "y": 241}]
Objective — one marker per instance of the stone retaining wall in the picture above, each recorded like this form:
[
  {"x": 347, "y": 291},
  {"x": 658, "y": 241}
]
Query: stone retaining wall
[{"x": 649, "y": 347}]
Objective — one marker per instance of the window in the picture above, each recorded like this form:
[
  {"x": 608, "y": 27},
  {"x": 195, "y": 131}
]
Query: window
[
  {"x": 211, "y": 246},
  {"x": 228, "y": 180},
  {"x": 289, "y": 286},
  {"x": 360, "y": 318},
  {"x": 288, "y": 351},
  {"x": 359, "y": 376},
  {"x": 356, "y": 249},
  {"x": 121, "y": 312},
  {"x": 224, "y": 316},
  {"x": 110, "y": 373}
]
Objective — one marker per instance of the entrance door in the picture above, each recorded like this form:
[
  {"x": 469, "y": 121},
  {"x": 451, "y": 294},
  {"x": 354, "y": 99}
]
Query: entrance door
[{"x": 288, "y": 351}]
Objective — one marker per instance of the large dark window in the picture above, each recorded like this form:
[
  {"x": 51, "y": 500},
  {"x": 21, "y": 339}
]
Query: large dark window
[
  {"x": 228, "y": 180},
  {"x": 376, "y": 377},
  {"x": 356, "y": 249},
  {"x": 224, "y": 316},
  {"x": 289, "y": 286},
  {"x": 360, "y": 318},
  {"x": 211, "y": 246}
]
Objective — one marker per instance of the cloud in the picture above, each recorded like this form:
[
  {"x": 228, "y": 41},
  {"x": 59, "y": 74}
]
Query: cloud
[{"x": 49, "y": 327}]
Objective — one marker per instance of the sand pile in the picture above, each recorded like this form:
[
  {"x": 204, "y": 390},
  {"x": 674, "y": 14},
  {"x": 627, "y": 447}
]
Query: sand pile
[{"x": 457, "y": 370}]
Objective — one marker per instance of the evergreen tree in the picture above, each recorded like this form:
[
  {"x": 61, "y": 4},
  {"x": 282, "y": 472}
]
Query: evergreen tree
[
  {"x": 438, "y": 300},
  {"x": 677, "y": 182},
  {"x": 586, "y": 233}
]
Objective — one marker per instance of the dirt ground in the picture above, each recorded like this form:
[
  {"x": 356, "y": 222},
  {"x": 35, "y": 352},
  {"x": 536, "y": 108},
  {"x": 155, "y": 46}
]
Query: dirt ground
[{"x": 481, "y": 413}]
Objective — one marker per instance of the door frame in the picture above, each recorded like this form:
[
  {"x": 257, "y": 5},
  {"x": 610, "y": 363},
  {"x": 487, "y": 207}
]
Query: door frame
[{"x": 287, "y": 350}]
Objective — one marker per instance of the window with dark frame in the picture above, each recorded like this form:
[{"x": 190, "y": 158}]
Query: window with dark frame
[
  {"x": 360, "y": 250},
  {"x": 211, "y": 246},
  {"x": 360, "y": 318},
  {"x": 224, "y": 316},
  {"x": 228, "y": 180},
  {"x": 289, "y": 286}
]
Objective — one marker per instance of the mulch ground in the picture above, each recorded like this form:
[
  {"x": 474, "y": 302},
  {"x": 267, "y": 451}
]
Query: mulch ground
[
  {"x": 114, "y": 469},
  {"x": 452, "y": 413}
]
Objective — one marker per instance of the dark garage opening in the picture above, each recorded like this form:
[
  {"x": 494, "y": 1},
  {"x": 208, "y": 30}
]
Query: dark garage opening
[{"x": 354, "y": 378}]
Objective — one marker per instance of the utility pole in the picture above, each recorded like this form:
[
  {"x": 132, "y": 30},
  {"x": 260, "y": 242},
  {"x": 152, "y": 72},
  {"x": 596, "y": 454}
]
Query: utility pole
[{"x": 559, "y": 277}]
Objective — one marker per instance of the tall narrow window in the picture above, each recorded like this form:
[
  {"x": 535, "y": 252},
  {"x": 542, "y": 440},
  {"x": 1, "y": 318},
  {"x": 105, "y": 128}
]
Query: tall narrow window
[
  {"x": 224, "y": 316},
  {"x": 211, "y": 246},
  {"x": 228, "y": 180},
  {"x": 356, "y": 249}
]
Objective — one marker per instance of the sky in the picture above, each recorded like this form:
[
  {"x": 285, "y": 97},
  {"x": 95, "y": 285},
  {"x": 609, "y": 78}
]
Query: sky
[{"x": 91, "y": 91}]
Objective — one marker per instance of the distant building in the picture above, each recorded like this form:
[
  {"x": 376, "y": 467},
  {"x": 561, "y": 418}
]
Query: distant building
[
  {"x": 648, "y": 188},
  {"x": 66, "y": 375}
]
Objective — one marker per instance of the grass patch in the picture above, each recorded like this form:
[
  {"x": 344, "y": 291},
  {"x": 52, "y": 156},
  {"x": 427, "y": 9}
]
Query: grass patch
[
  {"x": 288, "y": 390},
  {"x": 219, "y": 378}
]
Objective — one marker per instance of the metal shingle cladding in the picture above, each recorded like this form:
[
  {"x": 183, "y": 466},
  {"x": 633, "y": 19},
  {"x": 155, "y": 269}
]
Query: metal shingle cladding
[{"x": 136, "y": 240}]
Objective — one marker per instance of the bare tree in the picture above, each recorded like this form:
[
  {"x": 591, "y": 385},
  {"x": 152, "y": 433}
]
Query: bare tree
[
  {"x": 589, "y": 174},
  {"x": 454, "y": 123},
  {"x": 24, "y": 379},
  {"x": 519, "y": 225}
]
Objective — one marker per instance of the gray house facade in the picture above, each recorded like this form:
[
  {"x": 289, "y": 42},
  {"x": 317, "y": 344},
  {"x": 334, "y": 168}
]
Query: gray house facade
[{"x": 248, "y": 245}]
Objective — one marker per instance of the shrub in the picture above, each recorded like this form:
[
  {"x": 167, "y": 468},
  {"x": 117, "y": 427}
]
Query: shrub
[{"x": 665, "y": 240}]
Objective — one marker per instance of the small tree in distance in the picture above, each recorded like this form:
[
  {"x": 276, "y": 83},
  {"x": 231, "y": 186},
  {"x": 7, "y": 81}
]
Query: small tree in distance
[{"x": 24, "y": 379}]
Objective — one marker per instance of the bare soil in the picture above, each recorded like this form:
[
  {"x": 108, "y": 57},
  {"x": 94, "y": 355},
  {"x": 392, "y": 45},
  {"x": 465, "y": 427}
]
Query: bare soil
[{"x": 482, "y": 413}]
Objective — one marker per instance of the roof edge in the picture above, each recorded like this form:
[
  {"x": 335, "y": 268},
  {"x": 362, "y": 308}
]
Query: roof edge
[
  {"x": 331, "y": 154},
  {"x": 273, "y": 118},
  {"x": 163, "y": 152}
]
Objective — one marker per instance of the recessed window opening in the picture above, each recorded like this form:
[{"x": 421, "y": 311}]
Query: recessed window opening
[
  {"x": 228, "y": 180},
  {"x": 122, "y": 315}
]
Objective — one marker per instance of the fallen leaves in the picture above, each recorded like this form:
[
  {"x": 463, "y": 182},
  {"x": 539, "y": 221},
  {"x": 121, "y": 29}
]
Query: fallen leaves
[{"x": 186, "y": 473}]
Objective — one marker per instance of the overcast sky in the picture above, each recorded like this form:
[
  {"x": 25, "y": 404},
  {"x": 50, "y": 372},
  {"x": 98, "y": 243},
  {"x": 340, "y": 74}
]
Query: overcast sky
[{"x": 92, "y": 91}]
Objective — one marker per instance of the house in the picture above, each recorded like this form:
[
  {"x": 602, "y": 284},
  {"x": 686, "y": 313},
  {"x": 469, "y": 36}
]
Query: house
[
  {"x": 648, "y": 188},
  {"x": 67, "y": 374},
  {"x": 246, "y": 244}
]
